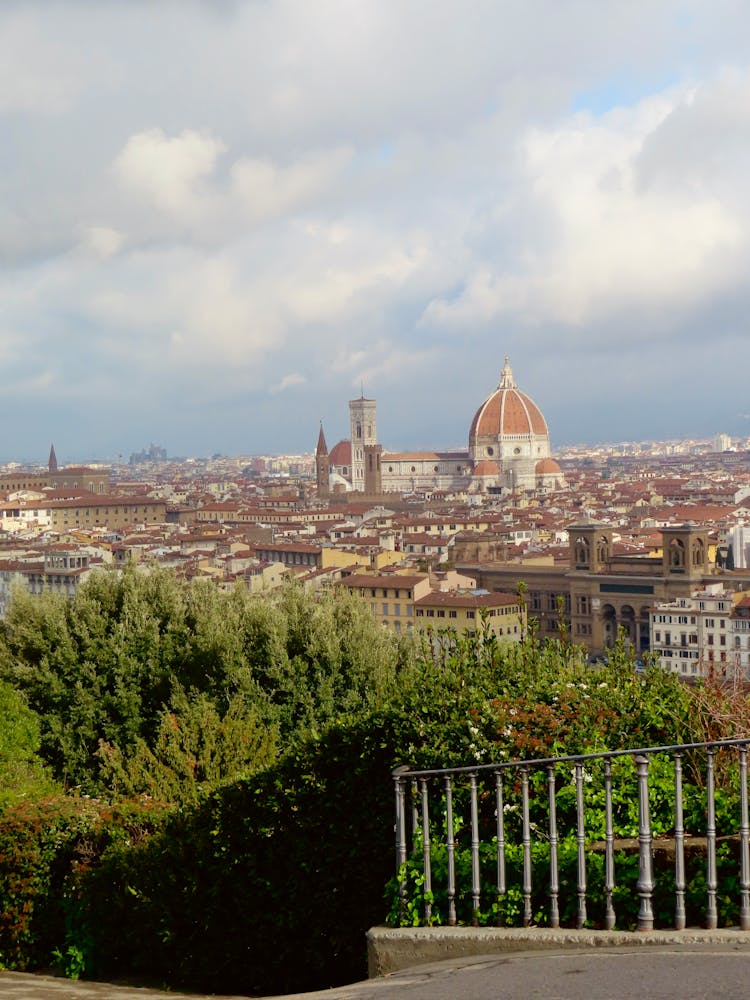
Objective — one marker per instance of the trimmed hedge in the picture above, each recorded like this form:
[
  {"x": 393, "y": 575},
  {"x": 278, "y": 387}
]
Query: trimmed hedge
[{"x": 267, "y": 886}]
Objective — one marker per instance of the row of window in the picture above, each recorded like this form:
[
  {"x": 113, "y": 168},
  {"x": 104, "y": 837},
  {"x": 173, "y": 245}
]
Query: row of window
[{"x": 396, "y": 610}]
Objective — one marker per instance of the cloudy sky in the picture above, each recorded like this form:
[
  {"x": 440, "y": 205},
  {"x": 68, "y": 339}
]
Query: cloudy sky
[{"x": 218, "y": 219}]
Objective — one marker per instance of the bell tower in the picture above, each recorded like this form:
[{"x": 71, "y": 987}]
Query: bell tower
[
  {"x": 322, "y": 465},
  {"x": 590, "y": 546},
  {"x": 364, "y": 432},
  {"x": 685, "y": 551}
]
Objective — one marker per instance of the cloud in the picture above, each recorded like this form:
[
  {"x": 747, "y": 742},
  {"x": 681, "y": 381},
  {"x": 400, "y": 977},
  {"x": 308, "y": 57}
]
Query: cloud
[
  {"x": 599, "y": 240},
  {"x": 287, "y": 382},
  {"x": 266, "y": 190},
  {"x": 400, "y": 194},
  {"x": 101, "y": 241},
  {"x": 169, "y": 171}
]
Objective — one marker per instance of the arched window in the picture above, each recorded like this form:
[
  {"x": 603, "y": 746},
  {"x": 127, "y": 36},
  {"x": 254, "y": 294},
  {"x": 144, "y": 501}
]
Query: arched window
[
  {"x": 602, "y": 550},
  {"x": 359, "y": 430},
  {"x": 698, "y": 552},
  {"x": 582, "y": 551},
  {"x": 677, "y": 553}
]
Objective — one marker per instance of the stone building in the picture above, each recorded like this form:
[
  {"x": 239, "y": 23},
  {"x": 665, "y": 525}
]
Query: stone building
[{"x": 508, "y": 450}]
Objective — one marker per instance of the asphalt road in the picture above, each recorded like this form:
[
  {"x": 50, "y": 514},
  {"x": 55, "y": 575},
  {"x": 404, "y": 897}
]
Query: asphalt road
[{"x": 709, "y": 972}]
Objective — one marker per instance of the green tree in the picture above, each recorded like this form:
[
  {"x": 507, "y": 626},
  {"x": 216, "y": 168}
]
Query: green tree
[{"x": 22, "y": 772}]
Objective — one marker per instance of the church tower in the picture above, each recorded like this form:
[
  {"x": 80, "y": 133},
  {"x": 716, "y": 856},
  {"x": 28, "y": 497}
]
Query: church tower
[
  {"x": 685, "y": 551},
  {"x": 322, "y": 465},
  {"x": 52, "y": 464},
  {"x": 362, "y": 413},
  {"x": 373, "y": 474}
]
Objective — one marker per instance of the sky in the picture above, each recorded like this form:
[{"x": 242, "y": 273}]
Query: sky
[{"x": 221, "y": 220}]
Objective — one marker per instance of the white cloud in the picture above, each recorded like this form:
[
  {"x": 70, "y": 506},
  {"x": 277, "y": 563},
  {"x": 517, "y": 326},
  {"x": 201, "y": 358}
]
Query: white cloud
[
  {"x": 266, "y": 190},
  {"x": 597, "y": 239},
  {"x": 287, "y": 382},
  {"x": 169, "y": 171},
  {"x": 101, "y": 241},
  {"x": 275, "y": 188}
]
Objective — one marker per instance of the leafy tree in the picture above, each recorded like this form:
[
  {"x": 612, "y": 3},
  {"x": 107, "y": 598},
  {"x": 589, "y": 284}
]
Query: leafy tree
[
  {"x": 196, "y": 749},
  {"x": 102, "y": 670},
  {"x": 22, "y": 773}
]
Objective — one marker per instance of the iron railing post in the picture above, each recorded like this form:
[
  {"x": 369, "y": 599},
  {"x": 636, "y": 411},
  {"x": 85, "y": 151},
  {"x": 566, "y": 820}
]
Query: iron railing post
[
  {"x": 400, "y": 787},
  {"x": 581, "y": 842},
  {"x": 609, "y": 850},
  {"x": 744, "y": 846},
  {"x": 645, "y": 859},
  {"x": 679, "y": 847},
  {"x": 427, "y": 863},
  {"x": 500, "y": 812},
  {"x": 526, "y": 842},
  {"x": 451, "y": 849},
  {"x": 475, "y": 874},
  {"x": 554, "y": 885},
  {"x": 712, "y": 919}
]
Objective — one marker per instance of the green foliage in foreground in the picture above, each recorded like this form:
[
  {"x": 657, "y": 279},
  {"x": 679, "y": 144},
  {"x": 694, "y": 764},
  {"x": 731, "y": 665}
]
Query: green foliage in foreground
[
  {"x": 23, "y": 774},
  {"x": 110, "y": 671},
  {"x": 271, "y": 727}
]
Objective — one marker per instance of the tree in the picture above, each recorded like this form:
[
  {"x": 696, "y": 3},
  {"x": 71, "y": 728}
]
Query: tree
[{"x": 22, "y": 772}]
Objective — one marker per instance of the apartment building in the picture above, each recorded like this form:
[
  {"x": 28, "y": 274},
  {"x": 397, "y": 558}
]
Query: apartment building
[{"x": 694, "y": 635}]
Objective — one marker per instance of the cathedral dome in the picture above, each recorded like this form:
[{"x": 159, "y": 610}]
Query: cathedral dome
[
  {"x": 547, "y": 466},
  {"x": 341, "y": 454},
  {"x": 486, "y": 468},
  {"x": 509, "y": 430},
  {"x": 508, "y": 411}
]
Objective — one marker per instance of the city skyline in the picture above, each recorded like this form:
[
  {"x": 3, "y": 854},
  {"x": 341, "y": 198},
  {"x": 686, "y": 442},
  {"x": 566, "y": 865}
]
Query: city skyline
[{"x": 217, "y": 229}]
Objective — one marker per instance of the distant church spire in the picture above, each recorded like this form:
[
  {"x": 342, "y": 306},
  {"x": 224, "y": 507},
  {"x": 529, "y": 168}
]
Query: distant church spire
[
  {"x": 322, "y": 448},
  {"x": 52, "y": 464},
  {"x": 506, "y": 376}
]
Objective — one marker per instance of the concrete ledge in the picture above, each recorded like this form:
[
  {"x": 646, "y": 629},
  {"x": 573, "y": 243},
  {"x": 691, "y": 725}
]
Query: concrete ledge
[{"x": 391, "y": 949}]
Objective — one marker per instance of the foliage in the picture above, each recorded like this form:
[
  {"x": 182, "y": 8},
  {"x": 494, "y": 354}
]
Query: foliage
[
  {"x": 22, "y": 772},
  {"x": 45, "y": 846},
  {"x": 195, "y": 749},
  {"x": 275, "y": 722},
  {"x": 109, "y": 668}
]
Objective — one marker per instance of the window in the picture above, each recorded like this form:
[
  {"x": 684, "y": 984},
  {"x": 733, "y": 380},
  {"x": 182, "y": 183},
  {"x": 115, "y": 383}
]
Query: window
[
  {"x": 409, "y": 610},
  {"x": 451, "y": 614},
  {"x": 441, "y": 613},
  {"x": 470, "y": 614},
  {"x": 430, "y": 613},
  {"x": 420, "y": 613},
  {"x": 385, "y": 607},
  {"x": 397, "y": 610}
]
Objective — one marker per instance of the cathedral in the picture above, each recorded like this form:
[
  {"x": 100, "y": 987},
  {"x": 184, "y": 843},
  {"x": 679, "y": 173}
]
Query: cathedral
[{"x": 508, "y": 451}]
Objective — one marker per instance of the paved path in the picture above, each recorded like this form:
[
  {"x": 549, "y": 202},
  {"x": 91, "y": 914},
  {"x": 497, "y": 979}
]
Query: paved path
[{"x": 703, "y": 972}]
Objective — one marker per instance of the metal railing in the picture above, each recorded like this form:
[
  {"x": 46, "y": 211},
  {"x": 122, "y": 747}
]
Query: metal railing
[{"x": 464, "y": 812}]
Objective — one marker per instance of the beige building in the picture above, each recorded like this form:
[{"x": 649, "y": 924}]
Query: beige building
[
  {"x": 103, "y": 511},
  {"x": 599, "y": 591},
  {"x": 408, "y": 602},
  {"x": 693, "y": 635},
  {"x": 472, "y": 613}
]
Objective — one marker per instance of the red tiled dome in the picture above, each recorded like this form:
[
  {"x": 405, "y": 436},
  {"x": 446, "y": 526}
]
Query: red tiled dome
[
  {"x": 547, "y": 466},
  {"x": 507, "y": 411},
  {"x": 341, "y": 454},
  {"x": 486, "y": 468}
]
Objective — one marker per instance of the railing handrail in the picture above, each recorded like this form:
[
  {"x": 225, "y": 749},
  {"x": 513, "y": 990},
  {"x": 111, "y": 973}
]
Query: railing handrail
[
  {"x": 420, "y": 781},
  {"x": 405, "y": 770}
]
